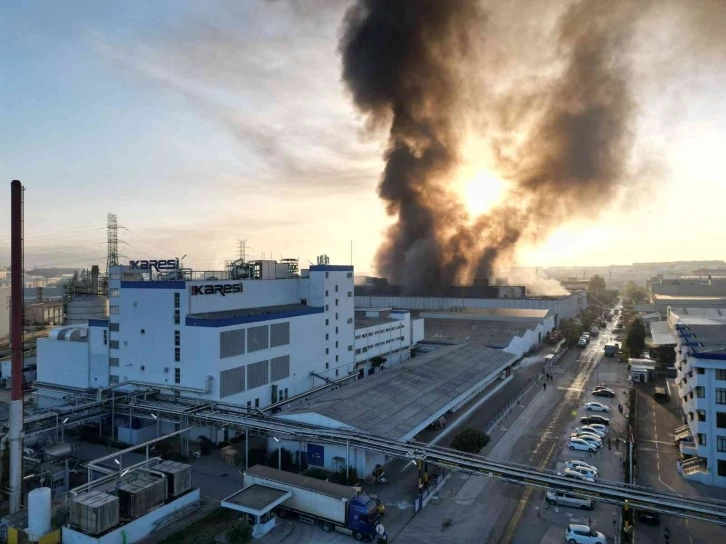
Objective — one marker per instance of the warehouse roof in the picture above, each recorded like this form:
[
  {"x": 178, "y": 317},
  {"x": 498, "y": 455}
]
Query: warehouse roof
[
  {"x": 699, "y": 316},
  {"x": 493, "y": 314},
  {"x": 662, "y": 334},
  {"x": 493, "y": 334},
  {"x": 399, "y": 402},
  {"x": 300, "y": 480}
]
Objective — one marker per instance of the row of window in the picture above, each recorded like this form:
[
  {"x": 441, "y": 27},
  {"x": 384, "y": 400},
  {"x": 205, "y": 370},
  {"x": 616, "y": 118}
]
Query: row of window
[
  {"x": 248, "y": 377},
  {"x": 350, "y": 294},
  {"x": 378, "y": 332},
  {"x": 364, "y": 349},
  {"x": 241, "y": 341}
]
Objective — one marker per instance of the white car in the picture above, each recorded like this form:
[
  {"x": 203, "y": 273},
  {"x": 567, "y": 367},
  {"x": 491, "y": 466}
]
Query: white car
[
  {"x": 568, "y": 473},
  {"x": 592, "y": 430},
  {"x": 600, "y": 428},
  {"x": 588, "y": 473},
  {"x": 582, "y": 342},
  {"x": 575, "y": 463},
  {"x": 596, "y": 407},
  {"x": 590, "y": 439},
  {"x": 580, "y": 444},
  {"x": 582, "y": 534}
]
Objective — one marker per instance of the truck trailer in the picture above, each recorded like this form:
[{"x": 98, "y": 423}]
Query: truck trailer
[{"x": 335, "y": 507}]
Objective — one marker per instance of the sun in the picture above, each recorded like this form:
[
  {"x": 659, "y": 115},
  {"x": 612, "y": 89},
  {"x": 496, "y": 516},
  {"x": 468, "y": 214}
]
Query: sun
[{"x": 482, "y": 191}]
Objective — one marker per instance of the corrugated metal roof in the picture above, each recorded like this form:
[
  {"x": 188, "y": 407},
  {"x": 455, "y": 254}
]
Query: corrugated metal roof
[
  {"x": 396, "y": 401},
  {"x": 299, "y": 480},
  {"x": 496, "y": 334},
  {"x": 662, "y": 334}
]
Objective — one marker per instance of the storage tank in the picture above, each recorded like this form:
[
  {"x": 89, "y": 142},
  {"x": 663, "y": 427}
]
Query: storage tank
[
  {"x": 95, "y": 512},
  {"x": 85, "y": 307},
  {"x": 38, "y": 513},
  {"x": 178, "y": 476},
  {"x": 141, "y": 495}
]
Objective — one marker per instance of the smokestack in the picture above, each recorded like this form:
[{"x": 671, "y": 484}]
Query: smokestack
[
  {"x": 16, "y": 345},
  {"x": 94, "y": 279}
]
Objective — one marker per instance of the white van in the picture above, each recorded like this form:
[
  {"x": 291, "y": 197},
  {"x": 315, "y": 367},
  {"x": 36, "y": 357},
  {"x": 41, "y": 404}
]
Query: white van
[
  {"x": 564, "y": 498},
  {"x": 548, "y": 359}
]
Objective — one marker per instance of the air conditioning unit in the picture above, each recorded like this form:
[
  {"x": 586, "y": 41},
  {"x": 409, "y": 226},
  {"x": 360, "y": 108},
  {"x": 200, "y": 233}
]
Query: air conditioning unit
[
  {"x": 143, "y": 367},
  {"x": 350, "y": 320},
  {"x": 166, "y": 369}
]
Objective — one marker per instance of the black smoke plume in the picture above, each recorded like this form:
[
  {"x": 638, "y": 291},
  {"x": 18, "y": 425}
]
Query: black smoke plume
[{"x": 563, "y": 138}]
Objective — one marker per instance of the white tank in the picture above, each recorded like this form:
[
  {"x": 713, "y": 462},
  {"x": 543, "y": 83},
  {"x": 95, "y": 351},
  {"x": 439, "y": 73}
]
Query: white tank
[
  {"x": 38, "y": 513},
  {"x": 86, "y": 307}
]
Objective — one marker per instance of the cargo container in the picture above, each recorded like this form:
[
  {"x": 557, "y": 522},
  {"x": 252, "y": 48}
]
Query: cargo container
[
  {"x": 343, "y": 508},
  {"x": 95, "y": 512},
  {"x": 139, "y": 496},
  {"x": 178, "y": 476}
]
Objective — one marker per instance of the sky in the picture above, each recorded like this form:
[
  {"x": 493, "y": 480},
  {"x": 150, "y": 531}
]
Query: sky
[{"x": 202, "y": 123}]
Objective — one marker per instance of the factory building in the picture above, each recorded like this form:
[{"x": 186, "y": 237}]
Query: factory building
[
  {"x": 516, "y": 331},
  {"x": 562, "y": 307},
  {"x": 399, "y": 402},
  {"x": 662, "y": 302},
  {"x": 687, "y": 286},
  {"x": 252, "y": 336}
]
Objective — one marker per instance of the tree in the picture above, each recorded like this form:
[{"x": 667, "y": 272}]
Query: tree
[
  {"x": 239, "y": 533},
  {"x": 470, "y": 441},
  {"x": 377, "y": 361},
  {"x": 204, "y": 538},
  {"x": 596, "y": 287},
  {"x": 635, "y": 293},
  {"x": 635, "y": 337},
  {"x": 571, "y": 331}
]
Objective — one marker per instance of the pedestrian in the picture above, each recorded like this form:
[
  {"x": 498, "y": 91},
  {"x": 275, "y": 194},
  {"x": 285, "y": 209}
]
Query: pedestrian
[
  {"x": 609, "y": 444},
  {"x": 544, "y": 387},
  {"x": 667, "y": 534}
]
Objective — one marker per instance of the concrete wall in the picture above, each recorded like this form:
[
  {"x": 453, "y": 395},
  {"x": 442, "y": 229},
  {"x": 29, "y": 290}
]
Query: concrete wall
[
  {"x": 137, "y": 529},
  {"x": 63, "y": 362},
  {"x": 135, "y": 436}
]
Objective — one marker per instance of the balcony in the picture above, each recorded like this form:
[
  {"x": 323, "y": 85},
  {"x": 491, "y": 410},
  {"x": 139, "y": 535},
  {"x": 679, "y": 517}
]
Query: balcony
[
  {"x": 698, "y": 403},
  {"x": 688, "y": 447},
  {"x": 695, "y": 469}
]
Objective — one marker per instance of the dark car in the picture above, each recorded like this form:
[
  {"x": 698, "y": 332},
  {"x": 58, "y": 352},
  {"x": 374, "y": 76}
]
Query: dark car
[
  {"x": 649, "y": 518},
  {"x": 595, "y": 419},
  {"x": 603, "y": 393}
]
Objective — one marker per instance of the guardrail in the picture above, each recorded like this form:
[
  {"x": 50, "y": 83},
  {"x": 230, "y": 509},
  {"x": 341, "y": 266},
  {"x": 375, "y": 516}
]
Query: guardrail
[{"x": 493, "y": 422}]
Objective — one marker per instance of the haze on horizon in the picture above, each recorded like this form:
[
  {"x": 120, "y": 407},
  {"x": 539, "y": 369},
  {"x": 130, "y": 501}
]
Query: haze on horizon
[{"x": 199, "y": 126}]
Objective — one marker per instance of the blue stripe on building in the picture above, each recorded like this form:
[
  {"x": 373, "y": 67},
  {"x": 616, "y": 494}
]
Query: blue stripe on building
[
  {"x": 331, "y": 268},
  {"x": 191, "y": 321},
  {"x": 98, "y": 322},
  {"x": 153, "y": 285}
]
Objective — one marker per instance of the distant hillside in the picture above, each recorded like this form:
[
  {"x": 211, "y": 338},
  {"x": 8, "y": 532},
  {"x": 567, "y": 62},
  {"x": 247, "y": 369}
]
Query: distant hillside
[{"x": 49, "y": 272}]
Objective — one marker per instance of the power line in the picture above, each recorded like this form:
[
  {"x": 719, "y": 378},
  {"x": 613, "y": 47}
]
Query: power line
[
  {"x": 144, "y": 238},
  {"x": 56, "y": 233}
]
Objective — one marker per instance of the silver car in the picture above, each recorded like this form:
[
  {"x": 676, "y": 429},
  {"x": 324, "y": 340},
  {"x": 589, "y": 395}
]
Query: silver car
[{"x": 564, "y": 498}]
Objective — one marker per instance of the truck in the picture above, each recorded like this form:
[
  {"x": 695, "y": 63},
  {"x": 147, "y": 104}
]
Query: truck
[
  {"x": 594, "y": 331},
  {"x": 611, "y": 349},
  {"x": 336, "y": 507}
]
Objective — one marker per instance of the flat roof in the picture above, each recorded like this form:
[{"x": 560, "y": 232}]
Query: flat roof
[
  {"x": 493, "y": 334},
  {"x": 396, "y": 401},
  {"x": 330, "y": 489},
  {"x": 666, "y": 298},
  {"x": 662, "y": 334},
  {"x": 258, "y": 499},
  {"x": 496, "y": 314},
  {"x": 363, "y": 322},
  {"x": 698, "y": 316}
]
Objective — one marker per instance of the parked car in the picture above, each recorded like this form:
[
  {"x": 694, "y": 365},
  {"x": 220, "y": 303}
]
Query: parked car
[
  {"x": 603, "y": 392},
  {"x": 649, "y": 518},
  {"x": 602, "y": 386},
  {"x": 564, "y": 498},
  {"x": 596, "y": 407},
  {"x": 582, "y": 534},
  {"x": 582, "y": 343},
  {"x": 581, "y": 445},
  {"x": 576, "y": 463},
  {"x": 568, "y": 473},
  {"x": 592, "y": 430},
  {"x": 590, "y": 419},
  {"x": 589, "y": 438},
  {"x": 599, "y": 427},
  {"x": 586, "y": 472}
]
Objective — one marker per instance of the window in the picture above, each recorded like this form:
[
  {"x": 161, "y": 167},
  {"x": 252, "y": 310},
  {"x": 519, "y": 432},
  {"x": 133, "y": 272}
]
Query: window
[
  {"x": 177, "y": 375},
  {"x": 701, "y": 415},
  {"x": 280, "y": 397},
  {"x": 177, "y": 300},
  {"x": 336, "y": 288},
  {"x": 114, "y": 310},
  {"x": 177, "y": 354},
  {"x": 249, "y": 404},
  {"x": 327, "y": 307},
  {"x": 327, "y": 366},
  {"x": 114, "y": 276},
  {"x": 327, "y": 336},
  {"x": 700, "y": 391},
  {"x": 350, "y": 348},
  {"x": 113, "y": 344},
  {"x": 327, "y": 351},
  {"x": 105, "y": 337},
  {"x": 720, "y": 395},
  {"x": 721, "y": 420},
  {"x": 721, "y": 373},
  {"x": 336, "y": 371},
  {"x": 286, "y": 393},
  {"x": 177, "y": 317},
  {"x": 232, "y": 381},
  {"x": 113, "y": 361},
  {"x": 336, "y": 358},
  {"x": 350, "y": 320},
  {"x": 336, "y": 343},
  {"x": 336, "y": 330},
  {"x": 350, "y": 293},
  {"x": 177, "y": 338},
  {"x": 700, "y": 370},
  {"x": 701, "y": 439},
  {"x": 231, "y": 343},
  {"x": 326, "y": 292},
  {"x": 357, "y": 352},
  {"x": 721, "y": 468},
  {"x": 113, "y": 327},
  {"x": 113, "y": 292},
  {"x": 257, "y": 403},
  {"x": 721, "y": 443},
  {"x": 349, "y": 275},
  {"x": 336, "y": 301},
  {"x": 113, "y": 380},
  {"x": 336, "y": 315},
  {"x": 327, "y": 322}
]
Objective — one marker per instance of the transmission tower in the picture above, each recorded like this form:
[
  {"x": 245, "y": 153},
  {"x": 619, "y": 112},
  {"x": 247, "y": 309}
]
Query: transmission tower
[
  {"x": 242, "y": 246},
  {"x": 112, "y": 229}
]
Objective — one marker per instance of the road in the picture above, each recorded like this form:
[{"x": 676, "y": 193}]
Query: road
[{"x": 484, "y": 510}]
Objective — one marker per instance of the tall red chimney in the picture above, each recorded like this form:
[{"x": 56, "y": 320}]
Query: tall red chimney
[{"x": 15, "y": 432}]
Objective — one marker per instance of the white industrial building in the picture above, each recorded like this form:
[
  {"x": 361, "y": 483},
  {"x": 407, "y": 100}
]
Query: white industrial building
[
  {"x": 516, "y": 331},
  {"x": 562, "y": 307},
  {"x": 249, "y": 336}
]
